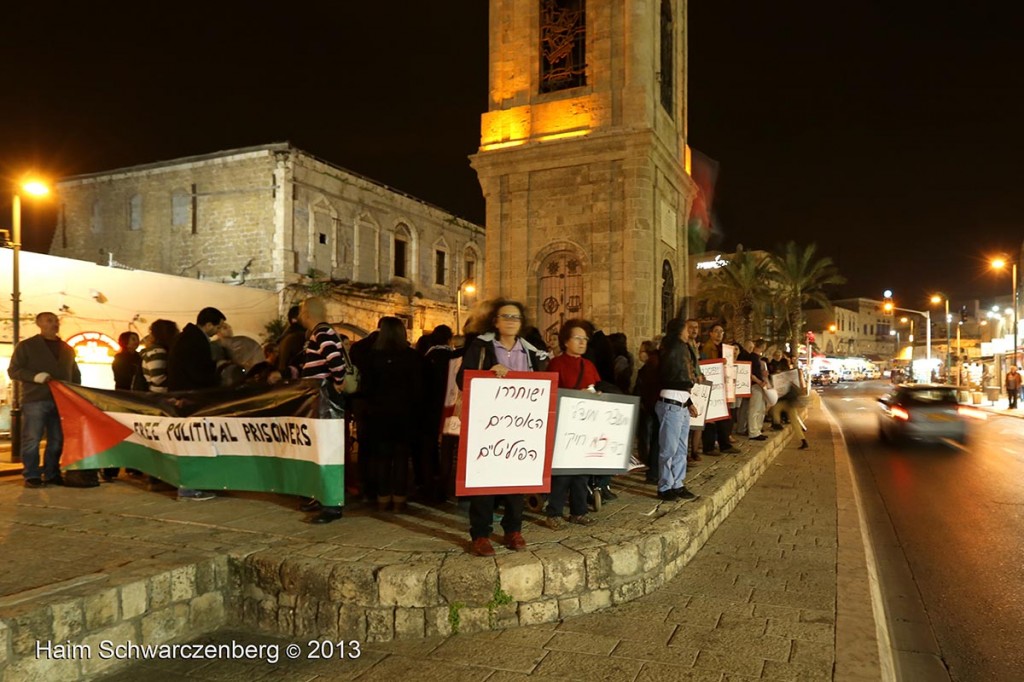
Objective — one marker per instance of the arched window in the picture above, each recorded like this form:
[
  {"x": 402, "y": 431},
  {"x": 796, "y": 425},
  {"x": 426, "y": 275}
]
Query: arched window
[
  {"x": 402, "y": 252},
  {"x": 667, "y": 72},
  {"x": 563, "y": 44},
  {"x": 668, "y": 295},
  {"x": 470, "y": 259}
]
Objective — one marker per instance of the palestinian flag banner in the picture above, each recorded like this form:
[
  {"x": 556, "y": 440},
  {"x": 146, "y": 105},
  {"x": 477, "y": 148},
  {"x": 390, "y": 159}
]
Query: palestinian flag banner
[{"x": 286, "y": 439}]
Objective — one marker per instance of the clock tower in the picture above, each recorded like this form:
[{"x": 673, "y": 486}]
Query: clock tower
[{"x": 584, "y": 162}]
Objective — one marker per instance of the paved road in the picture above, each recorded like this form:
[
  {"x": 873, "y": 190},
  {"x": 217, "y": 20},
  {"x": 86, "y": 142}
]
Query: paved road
[{"x": 946, "y": 525}]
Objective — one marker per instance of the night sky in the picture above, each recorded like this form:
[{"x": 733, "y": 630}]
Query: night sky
[{"x": 890, "y": 134}]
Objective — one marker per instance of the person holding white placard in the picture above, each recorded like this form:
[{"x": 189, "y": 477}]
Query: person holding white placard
[
  {"x": 500, "y": 350},
  {"x": 678, "y": 370}
]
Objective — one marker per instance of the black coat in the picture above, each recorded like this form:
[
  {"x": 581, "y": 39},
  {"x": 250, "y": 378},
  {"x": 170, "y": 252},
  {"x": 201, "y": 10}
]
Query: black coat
[
  {"x": 392, "y": 385},
  {"x": 190, "y": 362}
]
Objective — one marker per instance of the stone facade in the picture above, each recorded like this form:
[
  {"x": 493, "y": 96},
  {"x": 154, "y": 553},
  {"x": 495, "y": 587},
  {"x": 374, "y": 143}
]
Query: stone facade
[
  {"x": 277, "y": 218},
  {"x": 861, "y": 328},
  {"x": 587, "y": 187}
]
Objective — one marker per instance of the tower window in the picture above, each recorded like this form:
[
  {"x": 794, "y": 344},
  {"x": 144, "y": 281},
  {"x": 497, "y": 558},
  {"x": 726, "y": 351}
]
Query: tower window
[
  {"x": 440, "y": 267},
  {"x": 401, "y": 249},
  {"x": 563, "y": 43},
  {"x": 665, "y": 75}
]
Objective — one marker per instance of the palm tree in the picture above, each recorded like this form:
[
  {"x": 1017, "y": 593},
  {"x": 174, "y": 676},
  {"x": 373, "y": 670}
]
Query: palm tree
[
  {"x": 801, "y": 279},
  {"x": 740, "y": 292}
]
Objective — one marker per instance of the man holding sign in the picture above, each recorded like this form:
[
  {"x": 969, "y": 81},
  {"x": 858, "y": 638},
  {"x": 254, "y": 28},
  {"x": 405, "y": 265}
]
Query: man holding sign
[{"x": 678, "y": 369}]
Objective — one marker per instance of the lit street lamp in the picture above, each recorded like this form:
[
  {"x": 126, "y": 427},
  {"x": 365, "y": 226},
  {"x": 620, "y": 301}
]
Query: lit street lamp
[
  {"x": 1000, "y": 264},
  {"x": 469, "y": 287},
  {"x": 936, "y": 298},
  {"x": 36, "y": 189},
  {"x": 927, "y": 330}
]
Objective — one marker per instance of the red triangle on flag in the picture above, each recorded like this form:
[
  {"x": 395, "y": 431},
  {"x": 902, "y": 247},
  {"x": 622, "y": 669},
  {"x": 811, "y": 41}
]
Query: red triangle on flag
[{"x": 87, "y": 430}]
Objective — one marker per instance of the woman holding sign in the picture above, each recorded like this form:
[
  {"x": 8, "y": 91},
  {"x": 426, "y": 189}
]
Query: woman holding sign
[
  {"x": 575, "y": 372},
  {"x": 500, "y": 350}
]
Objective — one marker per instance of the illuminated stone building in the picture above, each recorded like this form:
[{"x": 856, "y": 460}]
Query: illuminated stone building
[
  {"x": 276, "y": 218},
  {"x": 583, "y": 161}
]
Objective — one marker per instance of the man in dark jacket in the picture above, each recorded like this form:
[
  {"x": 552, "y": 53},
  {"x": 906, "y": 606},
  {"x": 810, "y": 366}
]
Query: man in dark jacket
[
  {"x": 290, "y": 345},
  {"x": 35, "y": 362},
  {"x": 677, "y": 372},
  {"x": 190, "y": 364}
]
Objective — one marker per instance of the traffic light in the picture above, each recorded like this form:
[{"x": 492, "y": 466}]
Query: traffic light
[
  {"x": 963, "y": 313},
  {"x": 887, "y": 305}
]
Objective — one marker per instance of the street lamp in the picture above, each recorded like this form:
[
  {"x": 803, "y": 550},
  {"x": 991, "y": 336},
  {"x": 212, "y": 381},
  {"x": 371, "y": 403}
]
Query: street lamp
[
  {"x": 469, "y": 287},
  {"x": 33, "y": 188},
  {"x": 1000, "y": 264},
  {"x": 936, "y": 298},
  {"x": 927, "y": 331}
]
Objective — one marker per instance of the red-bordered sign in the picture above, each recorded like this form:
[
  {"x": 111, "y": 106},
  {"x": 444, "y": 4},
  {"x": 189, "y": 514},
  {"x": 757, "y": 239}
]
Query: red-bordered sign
[
  {"x": 714, "y": 371},
  {"x": 508, "y": 432}
]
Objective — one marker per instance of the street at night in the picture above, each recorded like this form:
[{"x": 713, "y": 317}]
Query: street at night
[{"x": 945, "y": 523}]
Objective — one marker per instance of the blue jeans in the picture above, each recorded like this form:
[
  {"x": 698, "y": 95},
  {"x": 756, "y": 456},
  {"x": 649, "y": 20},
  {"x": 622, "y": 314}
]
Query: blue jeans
[
  {"x": 38, "y": 418},
  {"x": 674, "y": 443}
]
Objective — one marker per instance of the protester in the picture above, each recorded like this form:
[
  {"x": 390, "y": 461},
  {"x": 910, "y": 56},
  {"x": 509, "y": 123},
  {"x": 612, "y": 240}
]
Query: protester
[
  {"x": 191, "y": 366},
  {"x": 290, "y": 345},
  {"x": 500, "y": 350},
  {"x": 243, "y": 351},
  {"x": 758, "y": 384},
  {"x": 647, "y": 388},
  {"x": 393, "y": 386},
  {"x": 162, "y": 335},
  {"x": 677, "y": 371},
  {"x": 322, "y": 358},
  {"x": 717, "y": 432},
  {"x": 127, "y": 365},
  {"x": 574, "y": 372},
  {"x": 36, "y": 361},
  {"x": 436, "y": 361},
  {"x": 1013, "y": 384}
]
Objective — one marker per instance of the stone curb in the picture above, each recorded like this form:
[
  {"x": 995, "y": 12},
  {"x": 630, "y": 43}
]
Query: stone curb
[{"x": 438, "y": 594}]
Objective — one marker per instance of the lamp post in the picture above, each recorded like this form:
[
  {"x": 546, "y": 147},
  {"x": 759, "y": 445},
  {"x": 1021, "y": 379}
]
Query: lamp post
[
  {"x": 36, "y": 189},
  {"x": 469, "y": 287},
  {"x": 935, "y": 299},
  {"x": 1000, "y": 264}
]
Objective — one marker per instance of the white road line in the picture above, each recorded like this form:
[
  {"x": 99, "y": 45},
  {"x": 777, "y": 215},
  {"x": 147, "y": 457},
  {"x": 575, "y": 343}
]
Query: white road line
[{"x": 886, "y": 661}]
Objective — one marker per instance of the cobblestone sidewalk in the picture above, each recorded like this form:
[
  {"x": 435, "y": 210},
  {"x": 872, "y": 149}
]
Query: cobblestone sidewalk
[{"x": 757, "y": 602}]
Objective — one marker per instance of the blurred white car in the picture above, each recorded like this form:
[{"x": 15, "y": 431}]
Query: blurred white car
[{"x": 924, "y": 412}]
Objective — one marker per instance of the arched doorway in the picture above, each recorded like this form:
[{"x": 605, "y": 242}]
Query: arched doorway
[
  {"x": 668, "y": 295},
  {"x": 560, "y": 294}
]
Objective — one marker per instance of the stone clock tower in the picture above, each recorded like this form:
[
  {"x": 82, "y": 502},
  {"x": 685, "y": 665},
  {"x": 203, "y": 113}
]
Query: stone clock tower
[{"x": 584, "y": 163}]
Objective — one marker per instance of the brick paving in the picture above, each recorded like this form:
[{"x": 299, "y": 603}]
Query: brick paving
[{"x": 758, "y": 601}]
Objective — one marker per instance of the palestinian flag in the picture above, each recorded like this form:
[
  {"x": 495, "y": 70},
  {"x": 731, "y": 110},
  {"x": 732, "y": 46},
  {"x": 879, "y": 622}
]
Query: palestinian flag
[{"x": 287, "y": 439}]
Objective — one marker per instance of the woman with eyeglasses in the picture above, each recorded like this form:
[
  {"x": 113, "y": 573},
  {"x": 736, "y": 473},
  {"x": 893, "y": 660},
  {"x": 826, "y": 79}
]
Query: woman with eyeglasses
[
  {"x": 575, "y": 372},
  {"x": 501, "y": 350}
]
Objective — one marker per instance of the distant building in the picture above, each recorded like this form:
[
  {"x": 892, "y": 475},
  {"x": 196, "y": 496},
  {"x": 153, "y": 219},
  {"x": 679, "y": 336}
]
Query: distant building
[
  {"x": 277, "y": 218},
  {"x": 861, "y": 329}
]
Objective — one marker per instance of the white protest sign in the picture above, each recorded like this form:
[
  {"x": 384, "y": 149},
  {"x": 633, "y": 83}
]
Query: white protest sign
[
  {"x": 507, "y": 431},
  {"x": 729, "y": 354},
  {"x": 594, "y": 433},
  {"x": 742, "y": 378},
  {"x": 782, "y": 381},
  {"x": 700, "y": 396},
  {"x": 714, "y": 371}
]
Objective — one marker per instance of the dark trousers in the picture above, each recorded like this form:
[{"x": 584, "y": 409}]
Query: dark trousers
[
  {"x": 390, "y": 463},
  {"x": 573, "y": 486},
  {"x": 647, "y": 442},
  {"x": 481, "y": 514},
  {"x": 717, "y": 432},
  {"x": 449, "y": 463},
  {"x": 1012, "y": 395}
]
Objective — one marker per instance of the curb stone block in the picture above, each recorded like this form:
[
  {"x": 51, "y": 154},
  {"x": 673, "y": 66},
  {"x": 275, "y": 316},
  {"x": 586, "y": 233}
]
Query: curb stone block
[
  {"x": 564, "y": 570},
  {"x": 437, "y": 624},
  {"x": 653, "y": 584},
  {"x": 380, "y": 625},
  {"x": 624, "y": 559},
  {"x": 286, "y": 620},
  {"x": 504, "y": 616},
  {"x": 545, "y": 611},
  {"x": 159, "y": 591},
  {"x": 287, "y": 600},
  {"x": 598, "y": 565},
  {"x": 569, "y": 607},
  {"x": 595, "y": 600},
  {"x": 32, "y": 669},
  {"x": 266, "y": 568},
  {"x": 29, "y": 628},
  {"x": 474, "y": 619},
  {"x": 651, "y": 554},
  {"x": 468, "y": 579},
  {"x": 352, "y": 622},
  {"x": 305, "y": 615},
  {"x": 164, "y": 625},
  {"x": 305, "y": 576},
  {"x": 68, "y": 621},
  {"x": 267, "y": 620},
  {"x": 183, "y": 583},
  {"x": 409, "y": 622},
  {"x": 628, "y": 592},
  {"x": 252, "y": 591},
  {"x": 327, "y": 620},
  {"x": 206, "y": 577},
  {"x": 352, "y": 583},
  {"x": 133, "y": 599},
  {"x": 206, "y": 612},
  {"x": 521, "y": 576},
  {"x": 119, "y": 634},
  {"x": 5, "y": 642},
  {"x": 412, "y": 584}
]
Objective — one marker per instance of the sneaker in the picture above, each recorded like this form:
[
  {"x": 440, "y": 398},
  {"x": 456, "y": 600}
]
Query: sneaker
[
  {"x": 635, "y": 464},
  {"x": 760, "y": 437},
  {"x": 483, "y": 547},
  {"x": 582, "y": 520},
  {"x": 668, "y": 495},
  {"x": 56, "y": 480},
  {"x": 34, "y": 483},
  {"x": 194, "y": 495},
  {"x": 730, "y": 451},
  {"x": 695, "y": 457},
  {"x": 515, "y": 541},
  {"x": 607, "y": 495},
  {"x": 552, "y": 522},
  {"x": 685, "y": 495},
  {"x": 327, "y": 515},
  {"x": 803, "y": 445}
]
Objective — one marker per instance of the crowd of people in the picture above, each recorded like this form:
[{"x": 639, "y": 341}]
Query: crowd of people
[{"x": 393, "y": 393}]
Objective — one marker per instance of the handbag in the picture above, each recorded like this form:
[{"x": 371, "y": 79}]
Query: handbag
[{"x": 351, "y": 382}]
